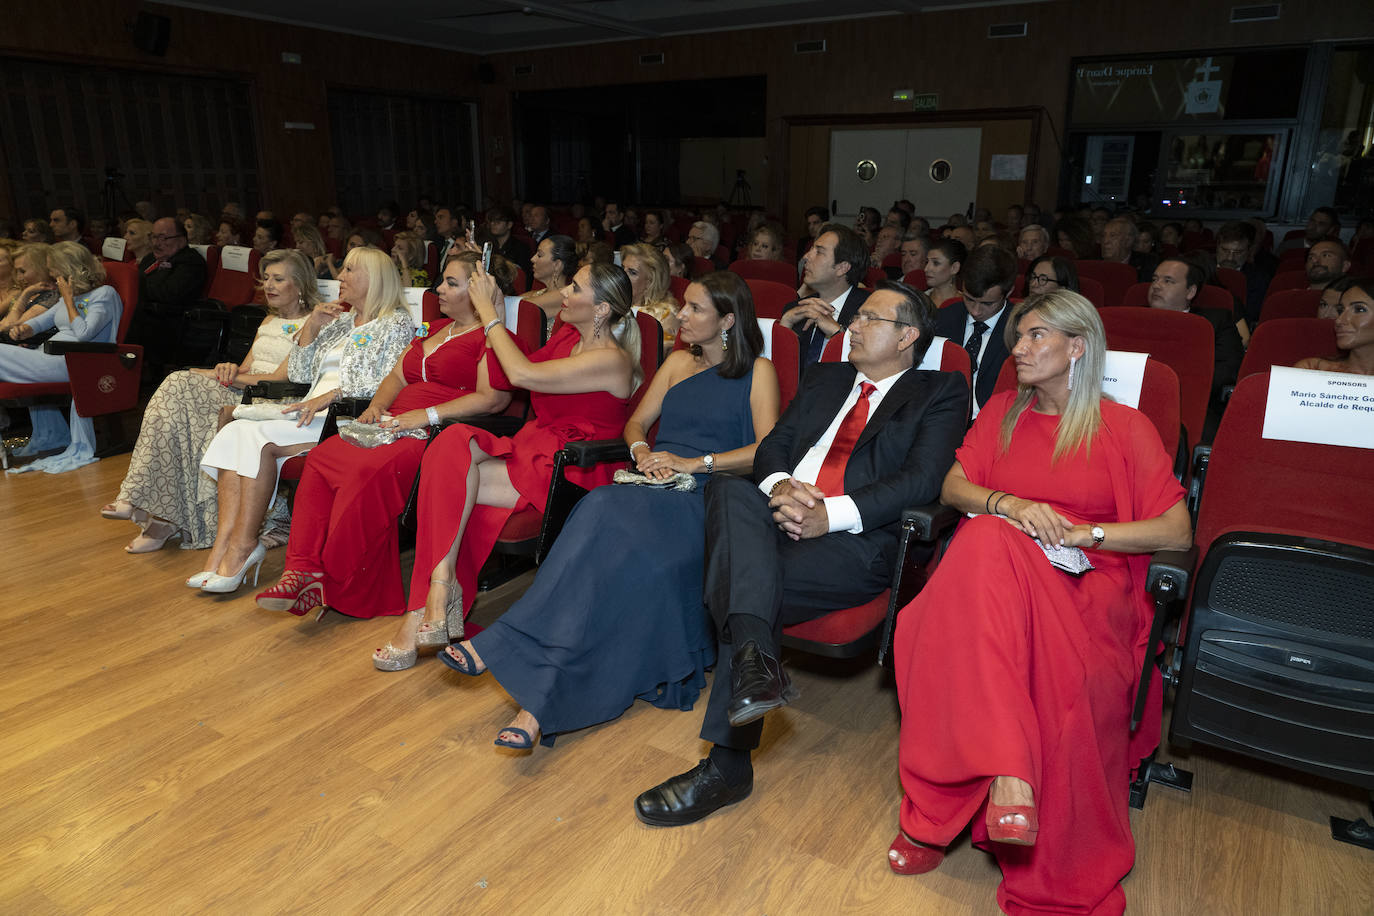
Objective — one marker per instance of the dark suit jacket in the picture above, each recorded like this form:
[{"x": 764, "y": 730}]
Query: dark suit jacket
[
  {"x": 950, "y": 321},
  {"x": 178, "y": 286},
  {"x": 1229, "y": 350},
  {"x": 901, "y": 457},
  {"x": 623, "y": 235},
  {"x": 851, "y": 305}
]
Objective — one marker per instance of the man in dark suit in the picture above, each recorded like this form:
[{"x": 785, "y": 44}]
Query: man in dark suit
[
  {"x": 500, "y": 221},
  {"x": 859, "y": 442},
  {"x": 1175, "y": 284},
  {"x": 832, "y": 270},
  {"x": 614, "y": 223},
  {"x": 979, "y": 323},
  {"x": 170, "y": 281}
]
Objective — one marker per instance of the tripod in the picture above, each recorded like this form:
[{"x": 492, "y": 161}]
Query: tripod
[
  {"x": 741, "y": 190},
  {"x": 114, "y": 193}
]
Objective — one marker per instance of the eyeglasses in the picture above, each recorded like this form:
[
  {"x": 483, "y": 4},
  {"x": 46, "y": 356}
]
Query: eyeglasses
[
  {"x": 1042, "y": 279},
  {"x": 866, "y": 317},
  {"x": 162, "y": 238}
]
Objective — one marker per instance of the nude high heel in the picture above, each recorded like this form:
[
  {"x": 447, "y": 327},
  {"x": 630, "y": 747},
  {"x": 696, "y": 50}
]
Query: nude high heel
[
  {"x": 436, "y": 637},
  {"x": 390, "y": 658},
  {"x": 223, "y": 585}
]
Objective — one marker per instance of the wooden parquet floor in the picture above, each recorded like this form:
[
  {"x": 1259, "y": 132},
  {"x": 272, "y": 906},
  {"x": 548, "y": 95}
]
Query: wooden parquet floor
[{"x": 162, "y": 751}]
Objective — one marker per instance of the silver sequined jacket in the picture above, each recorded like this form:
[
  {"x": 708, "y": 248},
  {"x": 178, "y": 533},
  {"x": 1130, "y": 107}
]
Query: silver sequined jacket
[{"x": 369, "y": 354}]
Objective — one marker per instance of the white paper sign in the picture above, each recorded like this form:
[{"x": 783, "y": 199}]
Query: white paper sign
[
  {"x": 329, "y": 289},
  {"x": 415, "y": 303},
  {"x": 1007, "y": 167},
  {"x": 234, "y": 257},
  {"x": 766, "y": 327},
  {"x": 512, "y": 313},
  {"x": 1328, "y": 408},
  {"x": 1123, "y": 375},
  {"x": 934, "y": 358},
  {"x": 203, "y": 249},
  {"x": 113, "y": 249}
]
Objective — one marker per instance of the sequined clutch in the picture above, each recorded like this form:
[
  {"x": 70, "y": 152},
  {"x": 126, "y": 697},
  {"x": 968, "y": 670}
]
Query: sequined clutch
[
  {"x": 369, "y": 435},
  {"x": 679, "y": 481}
]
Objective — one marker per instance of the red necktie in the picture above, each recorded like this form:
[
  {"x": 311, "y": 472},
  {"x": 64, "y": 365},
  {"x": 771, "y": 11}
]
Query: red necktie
[{"x": 830, "y": 480}]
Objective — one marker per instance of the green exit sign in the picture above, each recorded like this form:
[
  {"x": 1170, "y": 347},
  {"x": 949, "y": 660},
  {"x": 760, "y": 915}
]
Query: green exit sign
[{"x": 925, "y": 101}]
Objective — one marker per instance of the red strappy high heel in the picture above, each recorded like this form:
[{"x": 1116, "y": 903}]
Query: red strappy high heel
[{"x": 912, "y": 857}]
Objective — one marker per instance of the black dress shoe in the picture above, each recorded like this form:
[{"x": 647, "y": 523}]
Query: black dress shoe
[
  {"x": 757, "y": 684},
  {"x": 689, "y": 797}
]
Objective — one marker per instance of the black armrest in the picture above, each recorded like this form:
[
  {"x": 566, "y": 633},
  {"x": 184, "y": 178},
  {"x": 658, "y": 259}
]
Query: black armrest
[
  {"x": 275, "y": 390},
  {"x": 1170, "y": 571},
  {"x": 930, "y": 520},
  {"x": 63, "y": 347},
  {"x": 350, "y": 407},
  {"x": 1226, "y": 392},
  {"x": 498, "y": 425},
  {"x": 586, "y": 453},
  {"x": 1202, "y": 456}
]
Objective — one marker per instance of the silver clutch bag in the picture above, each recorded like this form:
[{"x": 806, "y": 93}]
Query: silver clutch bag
[
  {"x": 369, "y": 435},
  {"x": 263, "y": 410},
  {"x": 679, "y": 481}
]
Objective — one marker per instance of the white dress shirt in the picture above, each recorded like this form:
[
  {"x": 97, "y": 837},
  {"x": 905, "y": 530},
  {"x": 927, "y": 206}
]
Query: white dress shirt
[
  {"x": 841, "y": 512},
  {"x": 987, "y": 338}
]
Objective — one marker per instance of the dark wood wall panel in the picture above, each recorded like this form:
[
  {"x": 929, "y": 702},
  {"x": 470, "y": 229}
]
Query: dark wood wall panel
[
  {"x": 296, "y": 168},
  {"x": 945, "y": 52}
]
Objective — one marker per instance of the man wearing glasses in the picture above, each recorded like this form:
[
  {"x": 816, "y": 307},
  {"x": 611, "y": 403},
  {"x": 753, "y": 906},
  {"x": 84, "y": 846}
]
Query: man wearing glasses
[
  {"x": 979, "y": 323},
  {"x": 860, "y": 441},
  {"x": 170, "y": 280},
  {"x": 1236, "y": 249}
]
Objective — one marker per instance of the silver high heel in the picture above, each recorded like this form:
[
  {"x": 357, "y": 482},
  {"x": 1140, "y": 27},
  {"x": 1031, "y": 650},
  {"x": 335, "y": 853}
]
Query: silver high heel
[
  {"x": 437, "y": 637},
  {"x": 223, "y": 585},
  {"x": 199, "y": 578},
  {"x": 390, "y": 658}
]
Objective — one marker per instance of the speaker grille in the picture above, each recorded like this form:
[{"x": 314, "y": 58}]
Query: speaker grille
[
  {"x": 809, "y": 47},
  {"x": 1296, "y": 594},
  {"x": 1007, "y": 30},
  {"x": 1260, "y": 13}
]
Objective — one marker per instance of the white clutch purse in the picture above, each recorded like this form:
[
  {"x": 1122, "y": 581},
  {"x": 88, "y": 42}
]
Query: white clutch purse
[{"x": 265, "y": 410}]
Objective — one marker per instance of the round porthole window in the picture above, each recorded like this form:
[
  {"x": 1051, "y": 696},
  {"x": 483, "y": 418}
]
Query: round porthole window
[
  {"x": 867, "y": 170},
  {"x": 939, "y": 170}
]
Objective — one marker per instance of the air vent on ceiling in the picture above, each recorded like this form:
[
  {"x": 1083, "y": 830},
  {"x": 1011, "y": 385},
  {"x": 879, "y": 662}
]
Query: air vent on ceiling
[
  {"x": 650, "y": 60},
  {"x": 809, "y": 47},
  {"x": 1261, "y": 13},
  {"x": 524, "y": 69},
  {"x": 1007, "y": 30}
]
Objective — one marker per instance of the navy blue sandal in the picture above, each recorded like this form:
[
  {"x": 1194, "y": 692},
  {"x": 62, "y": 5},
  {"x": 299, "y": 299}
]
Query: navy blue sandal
[
  {"x": 526, "y": 744},
  {"x": 467, "y": 666}
]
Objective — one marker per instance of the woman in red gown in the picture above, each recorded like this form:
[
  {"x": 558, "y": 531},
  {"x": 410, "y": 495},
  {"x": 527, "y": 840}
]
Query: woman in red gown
[
  {"x": 344, "y": 551},
  {"x": 1024, "y": 728},
  {"x": 471, "y": 481}
]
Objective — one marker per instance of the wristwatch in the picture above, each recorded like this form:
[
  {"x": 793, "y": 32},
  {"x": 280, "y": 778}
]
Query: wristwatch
[
  {"x": 1098, "y": 536},
  {"x": 710, "y": 462}
]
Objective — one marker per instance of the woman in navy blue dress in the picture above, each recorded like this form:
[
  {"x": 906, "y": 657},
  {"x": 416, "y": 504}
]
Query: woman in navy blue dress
[{"x": 615, "y": 612}]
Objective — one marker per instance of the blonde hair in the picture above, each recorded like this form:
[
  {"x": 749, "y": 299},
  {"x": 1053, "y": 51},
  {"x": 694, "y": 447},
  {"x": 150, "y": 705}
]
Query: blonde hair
[
  {"x": 383, "y": 282},
  {"x": 411, "y": 248},
  {"x": 200, "y": 231},
  {"x": 37, "y": 254},
  {"x": 310, "y": 235},
  {"x": 74, "y": 260},
  {"x": 655, "y": 267},
  {"x": 611, "y": 286},
  {"x": 301, "y": 272},
  {"x": 1071, "y": 314}
]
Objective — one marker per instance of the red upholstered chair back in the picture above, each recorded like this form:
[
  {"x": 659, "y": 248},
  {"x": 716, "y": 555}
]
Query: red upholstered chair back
[
  {"x": 1181, "y": 340},
  {"x": 769, "y": 297},
  {"x": 211, "y": 268},
  {"x": 1056, "y": 251},
  {"x": 520, "y": 286},
  {"x": 1290, "y": 303},
  {"x": 775, "y": 271},
  {"x": 123, "y": 276},
  {"x": 1308, "y": 490},
  {"x": 917, "y": 279},
  {"x": 529, "y": 324},
  {"x": 1293, "y": 259},
  {"x": 235, "y": 287},
  {"x": 1115, "y": 278},
  {"x": 701, "y": 267},
  {"x": 874, "y": 276},
  {"x": 1284, "y": 341},
  {"x": 1234, "y": 281},
  {"x": 1208, "y": 297},
  {"x": 650, "y": 346},
  {"x": 722, "y": 254},
  {"x": 1196, "y": 241},
  {"x": 429, "y": 306},
  {"x": 1159, "y": 398},
  {"x": 1091, "y": 289},
  {"x": 432, "y": 259},
  {"x": 678, "y": 286},
  {"x": 1286, "y": 279}
]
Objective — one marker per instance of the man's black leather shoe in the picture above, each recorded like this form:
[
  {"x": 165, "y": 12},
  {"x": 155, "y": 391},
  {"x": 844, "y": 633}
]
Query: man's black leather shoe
[
  {"x": 689, "y": 797},
  {"x": 757, "y": 684}
]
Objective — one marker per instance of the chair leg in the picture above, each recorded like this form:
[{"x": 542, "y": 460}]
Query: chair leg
[
  {"x": 1166, "y": 774},
  {"x": 1356, "y": 833}
]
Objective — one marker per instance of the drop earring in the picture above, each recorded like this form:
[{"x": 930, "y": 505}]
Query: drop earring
[
  {"x": 1073, "y": 362},
  {"x": 724, "y": 340}
]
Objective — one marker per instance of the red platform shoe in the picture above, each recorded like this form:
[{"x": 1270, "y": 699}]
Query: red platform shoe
[{"x": 912, "y": 857}]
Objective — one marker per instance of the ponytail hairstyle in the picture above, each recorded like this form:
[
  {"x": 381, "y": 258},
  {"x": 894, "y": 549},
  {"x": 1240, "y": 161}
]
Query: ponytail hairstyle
[
  {"x": 611, "y": 286},
  {"x": 564, "y": 251}
]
